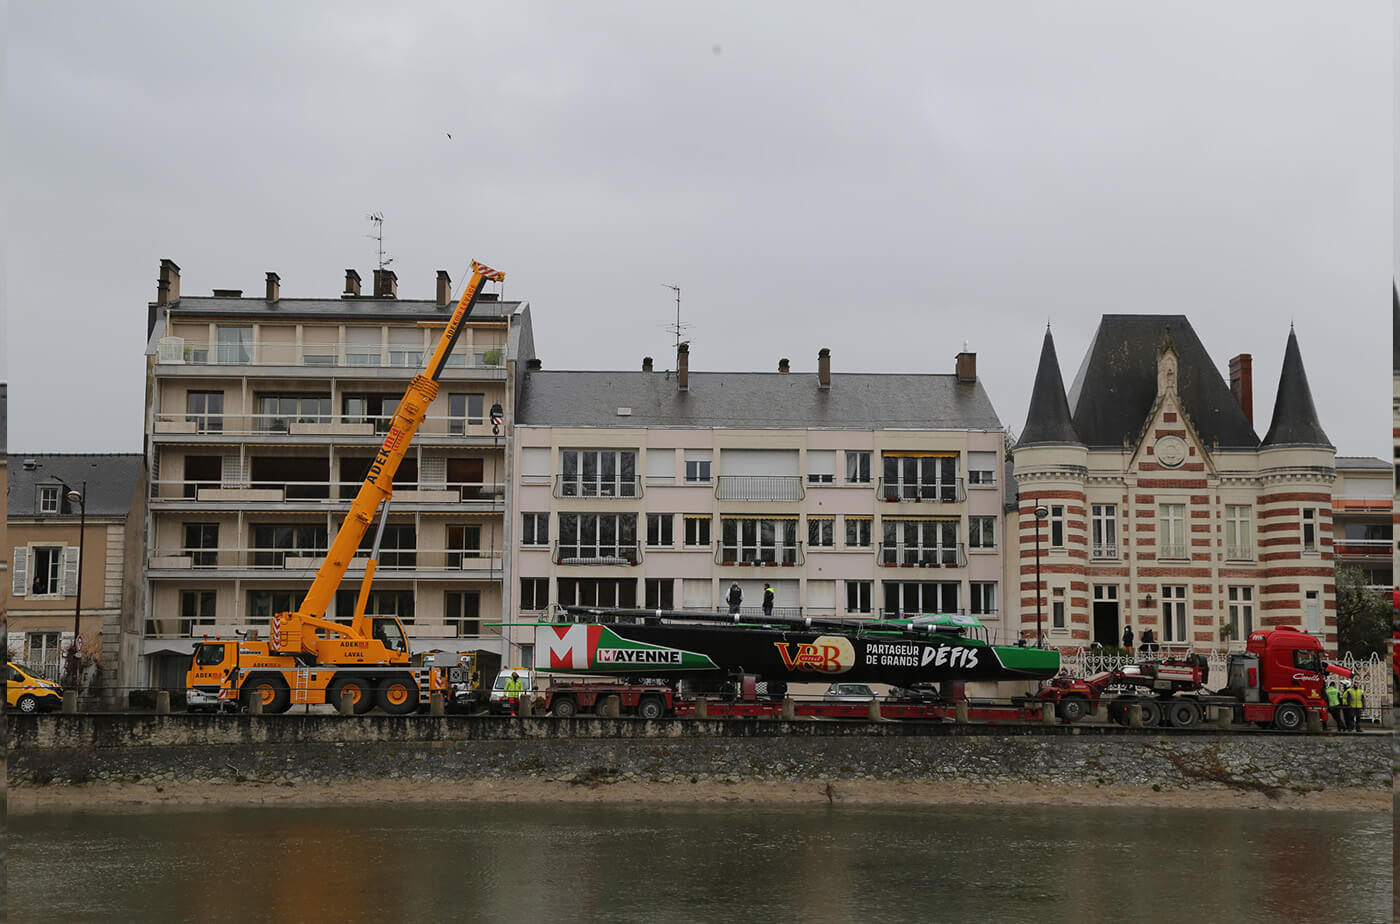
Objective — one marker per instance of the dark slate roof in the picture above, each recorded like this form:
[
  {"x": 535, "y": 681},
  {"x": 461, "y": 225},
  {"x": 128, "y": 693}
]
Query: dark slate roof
[
  {"x": 1048, "y": 420},
  {"x": 1117, "y": 384},
  {"x": 363, "y": 308},
  {"x": 1362, "y": 463},
  {"x": 1295, "y": 420},
  {"x": 111, "y": 480},
  {"x": 754, "y": 400}
]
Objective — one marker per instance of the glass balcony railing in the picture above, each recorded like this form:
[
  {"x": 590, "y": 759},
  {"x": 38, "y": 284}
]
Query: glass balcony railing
[
  {"x": 474, "y": 495},
  {"x": 596, "y": 486},
  {"x": 177, "y": 351},
  {"x": 306, "y": 560},
  {"x": 262, "y": 425},
  {"x": 937, "y": 492},
  {"x": 759, "y": 556}
]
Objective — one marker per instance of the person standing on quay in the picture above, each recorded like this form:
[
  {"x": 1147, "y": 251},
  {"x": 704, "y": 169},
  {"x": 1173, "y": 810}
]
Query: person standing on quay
[
  {"x": 734, "y": 598},
  {"x": 1356, "y": 698},
  {"x": 1128, "y": 639},
  {"x": 767, "y": 599},
  {"x": 1334, "y": 704}
]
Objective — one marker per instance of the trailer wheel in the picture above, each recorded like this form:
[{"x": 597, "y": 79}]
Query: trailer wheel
[
  {"x": 1151, "y": 714},
  {"x": 398, "y": 695},
  {"x": 360, "y": 698},
  {"x": 1290, "y": 717},
  {"x": 565, "y": 707},
  {"x": 650, "y": 707},
  {"x": 271, "y": 689},
  {"x": 1183, "y": 715},
  {"x": 1072, "y": 709}
]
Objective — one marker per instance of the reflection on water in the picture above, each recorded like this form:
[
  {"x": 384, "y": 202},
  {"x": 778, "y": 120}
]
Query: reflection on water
[{"x": 522, "y": 864}]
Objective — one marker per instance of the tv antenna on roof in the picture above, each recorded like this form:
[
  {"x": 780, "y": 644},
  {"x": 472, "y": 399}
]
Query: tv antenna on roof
[
  {"x": 378, "y": 220},
  {"x": 678, "y": 328}
]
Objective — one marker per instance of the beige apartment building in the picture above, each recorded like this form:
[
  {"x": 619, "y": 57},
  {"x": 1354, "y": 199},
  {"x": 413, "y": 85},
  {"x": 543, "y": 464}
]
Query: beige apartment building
[
  {"x": 853, "y": 495},
  {"x": 1362, "y": 533},
  {"x": 262, "y": 416}
]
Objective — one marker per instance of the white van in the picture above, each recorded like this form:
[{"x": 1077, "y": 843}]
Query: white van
[{"x": 498, "y": 704}]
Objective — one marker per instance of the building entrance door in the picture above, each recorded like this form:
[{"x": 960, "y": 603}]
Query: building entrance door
[{"x": 1106, "y": 627}]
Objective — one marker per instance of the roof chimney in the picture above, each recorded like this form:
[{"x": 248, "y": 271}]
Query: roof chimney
[
  {"x": 274, "y": 287},
  {"x": 168, "y": 283},
  {"x": 824, "y": 368},
  {"x": 646, "y": 363},
  {"x": 966, "y": 367},
  {"x": 444, "y": 288},
  {"x": 683, "y": 366},
  {"x": 783, "y": 366},
  {"x": 352, "y": 285},
  {"x": 1242, "y": 384},
  {"x": 533, "y": 365},
  {"x": 386, "y": 284}
]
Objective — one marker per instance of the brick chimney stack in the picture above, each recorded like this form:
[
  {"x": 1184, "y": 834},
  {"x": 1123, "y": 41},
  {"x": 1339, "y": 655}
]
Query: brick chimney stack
[
  {"x": 352, "y": 285},
  {"x": 386, "y": 284},
  {"x": 1242, "y": 384},
  {"x": 274, "y": 287},
  {"x": 683, "y": 366},
  {"x": 967, "y": 366},
  {"x": 444, "y": 288},
  {"x": 168, "y": 283},
  {"x": 824, "y": 368},
  {"x": 783, "y": 366},
  {"x": 646, "y": 363}
]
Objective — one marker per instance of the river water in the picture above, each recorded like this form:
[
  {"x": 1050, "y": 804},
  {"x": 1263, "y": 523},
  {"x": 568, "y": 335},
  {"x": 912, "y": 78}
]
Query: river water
[{"x": 565, "y": 863}]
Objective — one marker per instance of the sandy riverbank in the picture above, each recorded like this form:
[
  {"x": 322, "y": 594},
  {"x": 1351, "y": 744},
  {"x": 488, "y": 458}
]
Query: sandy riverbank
[{"x": 131, "y": 797}]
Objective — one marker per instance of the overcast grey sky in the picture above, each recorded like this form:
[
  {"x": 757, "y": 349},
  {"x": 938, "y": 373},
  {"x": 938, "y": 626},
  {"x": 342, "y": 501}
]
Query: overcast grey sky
[{"x": 888, "y": 182}]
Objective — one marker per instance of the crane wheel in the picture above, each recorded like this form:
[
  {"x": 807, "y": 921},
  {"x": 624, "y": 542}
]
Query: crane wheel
[
  {"x": 1151, "y": 714},
  {"x": 1072, "y": 709},
  {"x": 359, "y": 693},
  {"x": 272, "y": 690},
  {"x": 398, "y": 695},
  {"x": 1183, "y": 715}
]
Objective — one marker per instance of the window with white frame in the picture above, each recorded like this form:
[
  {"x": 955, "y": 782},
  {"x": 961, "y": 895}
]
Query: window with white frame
[
  {"x": 981, "y": 532},
  {"x": 46, "y": 570},
  {"x": 920, "y": 542},
  {"x": 1057, "y": 609},
  {"x": 660, "y": 594},
  {"x": 857, "y": 466},
  {"x": 660, "y": 527},
  {"x": 821, "y": 532},
  {"x": 1171, "y": 531},
  {"x": 858, "y": 532},
  {"x": 981, "y": 468},
  {"x": 765, "y": 540},
  {"x": 598, "y": 536},
  {"x": 462, "y": 611},
  {"x": 465, "y": 410},
  {"x": 598, "y": 473},
  {"x": 205, "y": 410},
  {"x": 1310, "y": 521},
  {"x": 235, "y": 344},
  {"x": 697, "y": 466},
  {"x": 661, "y": 465},
  {"x": 1103, "y": 525},
  {"x": 197, "y": 608},
  {"x": 1239, "y": 542},
  {"x": 821, "y": 466},
  {"x": 858, "y": 596},
  {"x": 597, "y": 592},
  {"x": 914, "y": 598},
  {"x": 1312, "y": 611},
  {"x": 534, "y": 594},
  {"x": 48, "y": 499},
  {"x": 697, "y": 530},
  {"x": 1239, "y": 602},
  {"x": 42, "y": 650},
  {"x": 534, "y": 463},
  {"x": 534, "y": 529},
  {"x": 982, "y": 598},
  {"x": 1057, "y": 526},
  {"x": 920, "y": 476},
  {"x": 1174, "y": 613}
]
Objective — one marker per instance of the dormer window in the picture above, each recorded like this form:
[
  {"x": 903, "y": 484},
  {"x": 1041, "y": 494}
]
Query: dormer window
[{"x": 48, "y": 499}]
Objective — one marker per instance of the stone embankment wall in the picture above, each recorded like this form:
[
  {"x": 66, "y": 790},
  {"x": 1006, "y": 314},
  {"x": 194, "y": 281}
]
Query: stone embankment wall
[{"x": 297, "y": 749}]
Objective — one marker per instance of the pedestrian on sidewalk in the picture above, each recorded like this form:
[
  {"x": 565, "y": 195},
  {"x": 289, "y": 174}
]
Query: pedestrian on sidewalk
[{"x": 767, "y": 599}]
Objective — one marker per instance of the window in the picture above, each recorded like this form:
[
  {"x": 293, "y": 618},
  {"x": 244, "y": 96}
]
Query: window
[
  {"x": 858, "y": 532},
  {"x": 462, "y": 611},
  {"x": 1239, "y": 544},
  {"x": 659, "y": 530},
  {"x": 406, "y": 348},
  {"x": 380, "y": 603},
  {"x": 201, "y": 472},
  {"x": 915, "y": 598},
  {"x": 378, "y": 410},
  {"x": 1240, "y": 611},
  {"x": 982, "y": 598},
  {"x": 660, "y": 594},
  {"x": 205, "y": 410},
  {"x": 235, "y": 345},
  {"x": 276, "y": 413},
  {"x": 697, "y": 466},
  {"x": 362, "y": 346},
  {"x": 858, "y": 596},
  {"x": 48, "y": 499},
  {"x": 610, "y": 536},
  {"x": 981, "y": 532},
  {"x": 1103, "y": 527},
  {"x": 1057, "y": 608},
  {"x": 1309, "y": 529},
  {"x": 857, "y": 468},
  {"x": 465, "y": 410},
  {"x": 47, "y": 570},
  {"x": 202, "y": 543},
  {"x": 264, "y": 604},
  {"x": 920, "y": 542},
  {"x": 920, "y": 476},
  {"x": 1312, "y": 612},
  {"x": 769, "y": 541},
  {"x": 597, "y": 592},
  {"x": 598, "y": 473},
  {"x": 272, "y": 543},
  {"x": 196, "y": 609},
  {"x": 821, "y": 466},
  {"x": 463, "y": 545},
  {"x": 1174, "y": 613},
  {"x": 697, "y": 531},
  {"x": 534, "y": 594},
  {"x": 821, "y": 532},
  {"x": 1057, "y": 526},
  {"x": 534, "y": 529},
  {"x": 42, "y": 650},
  {"x": 1171, "y": 531},
  {"x": 397, "y": 549},
  {"x": 982, "y": 468},
  {"x": 534, "y": 463},
  {"x": 661, "y": 465}
]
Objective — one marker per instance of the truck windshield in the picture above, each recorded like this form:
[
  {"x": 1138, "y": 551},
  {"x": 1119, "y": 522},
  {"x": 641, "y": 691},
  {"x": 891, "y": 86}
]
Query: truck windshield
[
  {"x": 388, "y": 632},
  {"x": 1311, "y": 660},
  {"x": 208, "y": 654}
]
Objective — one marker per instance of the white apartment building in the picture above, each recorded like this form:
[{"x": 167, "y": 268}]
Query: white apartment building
[
  {"x": 262, "y": 416},
  {"x": 854, "y": 495}
]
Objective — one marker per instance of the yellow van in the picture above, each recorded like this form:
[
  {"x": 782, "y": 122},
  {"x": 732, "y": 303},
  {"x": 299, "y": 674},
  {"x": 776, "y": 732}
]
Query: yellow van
[{"x": 26, "y": 691}]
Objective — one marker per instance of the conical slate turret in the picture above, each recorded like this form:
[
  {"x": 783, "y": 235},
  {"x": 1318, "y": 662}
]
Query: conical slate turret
[
  {"x": 1295, "y": 420},
  {"x": 1048, "y": 420}
]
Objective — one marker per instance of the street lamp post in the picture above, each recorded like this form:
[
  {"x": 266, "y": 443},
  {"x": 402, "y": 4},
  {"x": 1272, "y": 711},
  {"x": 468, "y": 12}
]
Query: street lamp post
[
  {"x": 1040, "y": 514},
  {"x": 74, "y": 657}
]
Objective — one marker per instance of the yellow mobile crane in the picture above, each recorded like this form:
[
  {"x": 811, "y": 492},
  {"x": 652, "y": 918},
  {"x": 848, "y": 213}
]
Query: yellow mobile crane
[{"x": 311, "y": 659}]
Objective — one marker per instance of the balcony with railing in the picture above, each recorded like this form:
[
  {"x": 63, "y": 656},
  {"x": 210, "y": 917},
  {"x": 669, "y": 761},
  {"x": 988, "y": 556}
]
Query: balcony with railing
[
  {"x": 935, "y": 492},
  {"x": 1104, "y": 552},
  {"x": 1173, "y": 551},
  {"x": 760, "y": 556},
  {"x": 1239, "y": 553},
  {"x": 270, "y": 563},
  {"x": 594, "y": 486},
  {"x": 177, "y": 351},
  {"x": 583, "y": 553},
  {"x": 223, "y": 427},
  {"x": 476, "y": 496},
  {"x": 773, "y": 488},
  {"x": 1362, "y": 548},
  {"x": 912, "y": 556}
]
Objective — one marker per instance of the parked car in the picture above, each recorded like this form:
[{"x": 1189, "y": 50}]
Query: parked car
[
  {"x": 26, "y": 691},
  {"x": 849, "y": 693}
]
